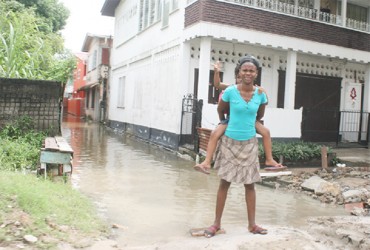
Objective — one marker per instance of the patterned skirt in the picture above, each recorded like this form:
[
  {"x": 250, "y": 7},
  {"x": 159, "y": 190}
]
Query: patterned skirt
[{"x": 237, "y": 161}]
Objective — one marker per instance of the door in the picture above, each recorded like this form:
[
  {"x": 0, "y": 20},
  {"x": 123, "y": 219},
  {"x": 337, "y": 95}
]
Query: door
[{"x": 319, "y": 96}]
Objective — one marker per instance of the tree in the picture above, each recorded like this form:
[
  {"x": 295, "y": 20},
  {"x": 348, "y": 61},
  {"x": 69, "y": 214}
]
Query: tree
[
  {"x": 52, "y": 12},
  {"x": 28, "y": 52}
]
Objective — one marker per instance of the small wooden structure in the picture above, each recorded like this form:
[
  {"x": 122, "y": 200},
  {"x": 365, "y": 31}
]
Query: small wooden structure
[
  {"x": 204, "y": 134},
  {"x": 56, "y": 154}
]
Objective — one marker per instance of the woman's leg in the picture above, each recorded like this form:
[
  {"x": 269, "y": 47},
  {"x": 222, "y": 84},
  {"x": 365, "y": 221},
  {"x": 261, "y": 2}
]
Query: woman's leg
[
  {"x": 250, "y": 199},
  {"x": 267, "y": 145},
  {"x": 220, "y": 205},
  {"x": 211, "y": 147}
]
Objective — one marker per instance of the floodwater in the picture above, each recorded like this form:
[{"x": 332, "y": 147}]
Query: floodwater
[{"x": 154, "y": 195}]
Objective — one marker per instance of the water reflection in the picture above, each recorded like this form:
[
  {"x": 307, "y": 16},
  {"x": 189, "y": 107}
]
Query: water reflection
[{"x": 157, "y": 196}]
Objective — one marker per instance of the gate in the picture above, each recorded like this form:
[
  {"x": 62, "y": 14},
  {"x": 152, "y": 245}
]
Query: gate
[
  {"x": 354, "y": 128},
  {"x": 190, "y": 118},
  {"x": 345, "y": 128}
]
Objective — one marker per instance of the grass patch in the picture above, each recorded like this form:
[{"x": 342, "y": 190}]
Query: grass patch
[{"x": 31, "y": 205}]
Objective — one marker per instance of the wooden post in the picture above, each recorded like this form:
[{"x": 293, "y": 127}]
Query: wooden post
[{"x": 324, "y": 157}]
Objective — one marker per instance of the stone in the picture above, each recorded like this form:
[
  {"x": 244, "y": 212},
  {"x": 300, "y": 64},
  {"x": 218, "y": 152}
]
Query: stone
[
  {"x": 30, "y": 238},
  {"x": 353, "y": 195},
  {"x": 312, "y": 183},
  {"x": 328, "y": 188}
]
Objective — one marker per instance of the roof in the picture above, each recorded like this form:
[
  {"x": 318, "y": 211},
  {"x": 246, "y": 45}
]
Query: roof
[
  {"x": 89, "y": 38},
  {"x": 88, "y": 86},
  {"x": 81, "y": 55},
  {"x": 109, "y": 7}
]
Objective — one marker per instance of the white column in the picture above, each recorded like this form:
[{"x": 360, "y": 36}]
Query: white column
[
  {"x": 296, "y": 4},
  {"x": 368, "y": 19},
  {"x": 316, "y": 6},
  {"x": 343, "y": 85},
  {"x": 275, "y": 82},
  {"x": 344, "y": 12},
  {"x": 367, "y": 90},
  {"x": 290, "y": 79},
  {"x": 204, "y": 67}
]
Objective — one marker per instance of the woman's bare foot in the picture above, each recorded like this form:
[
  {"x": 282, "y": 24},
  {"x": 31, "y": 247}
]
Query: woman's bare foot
[{"x": 203, "y": 167}]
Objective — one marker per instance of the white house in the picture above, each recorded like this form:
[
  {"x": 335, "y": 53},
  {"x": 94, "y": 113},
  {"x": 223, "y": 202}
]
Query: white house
[{"x": 315, "y": 57}]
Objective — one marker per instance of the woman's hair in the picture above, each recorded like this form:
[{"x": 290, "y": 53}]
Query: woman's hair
[
  {"x": 236, "y": 70},
  {"x": 248, "y": 58},
  {"x": 244, "y": 59}
]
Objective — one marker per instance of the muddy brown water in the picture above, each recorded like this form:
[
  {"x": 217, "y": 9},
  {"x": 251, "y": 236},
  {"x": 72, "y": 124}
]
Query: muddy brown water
[{"x": 154, "y": 195}]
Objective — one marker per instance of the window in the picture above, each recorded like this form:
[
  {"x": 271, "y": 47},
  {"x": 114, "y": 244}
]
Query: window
[
  {"x": 355, "y": 12},
  {"x": 95, "y": 57},
  {"x": 146, "y": 13},
  {"x": 159, "y": 9},
  {"x": 175, "y": 5},
  {"x": 166, "y": 13},
  {"x": 93, "y": 97},
  {"x": 213, "y": 93},
  {"x": 287, "y": 1},
  {"x": 150, "y": 11},
  {"x": 87, "y": 99},
  {"x": 306, "y": 3},
  {"x": 121, "y": 92},
  {"x": 92, "y": 60}
]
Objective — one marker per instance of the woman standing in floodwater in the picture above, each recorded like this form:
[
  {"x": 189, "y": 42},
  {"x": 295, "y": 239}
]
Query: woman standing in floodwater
[{"x": 237, "y": 159}]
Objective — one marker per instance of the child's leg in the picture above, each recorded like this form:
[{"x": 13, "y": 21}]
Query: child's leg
[
  {"x": 211, "y": 147},
  {"x": 267, "y": 145}
]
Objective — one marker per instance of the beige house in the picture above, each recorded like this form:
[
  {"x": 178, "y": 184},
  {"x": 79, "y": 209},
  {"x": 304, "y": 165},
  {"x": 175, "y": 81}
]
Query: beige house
[{"x": 97, "y": 72}]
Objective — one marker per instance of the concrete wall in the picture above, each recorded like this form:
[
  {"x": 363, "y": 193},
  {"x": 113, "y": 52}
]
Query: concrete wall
[{"x": 40, "y": 100}]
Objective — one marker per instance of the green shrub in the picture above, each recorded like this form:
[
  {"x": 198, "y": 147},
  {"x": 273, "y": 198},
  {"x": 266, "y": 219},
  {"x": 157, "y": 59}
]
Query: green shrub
[
  {"x": 294, "y": 151},
  {"x": 20, "y": 145}
]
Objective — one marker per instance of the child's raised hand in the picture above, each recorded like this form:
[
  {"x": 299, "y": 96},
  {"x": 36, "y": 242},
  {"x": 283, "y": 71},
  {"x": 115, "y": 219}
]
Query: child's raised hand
[{"x": 217, "y": 66}]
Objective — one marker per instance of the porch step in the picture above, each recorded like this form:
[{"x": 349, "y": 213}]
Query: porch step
[{"x": 188, "y": 151}]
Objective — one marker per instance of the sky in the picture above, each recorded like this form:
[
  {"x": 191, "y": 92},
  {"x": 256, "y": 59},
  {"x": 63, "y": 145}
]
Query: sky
[{"x": 85, "y": 17}]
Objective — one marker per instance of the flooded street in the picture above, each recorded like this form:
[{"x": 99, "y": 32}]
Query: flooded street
[{"x": 156, "y": 196}]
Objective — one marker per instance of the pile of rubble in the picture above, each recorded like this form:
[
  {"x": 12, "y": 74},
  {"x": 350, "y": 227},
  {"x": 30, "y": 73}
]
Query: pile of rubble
[{"x": 348, "y": 186}]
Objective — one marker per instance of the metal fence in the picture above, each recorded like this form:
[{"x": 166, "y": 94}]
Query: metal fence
[{"x": 353, "y": 127}]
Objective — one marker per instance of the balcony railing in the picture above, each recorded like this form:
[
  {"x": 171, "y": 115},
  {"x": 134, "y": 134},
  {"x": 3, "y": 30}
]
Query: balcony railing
[{"x": 307, "y": 13}]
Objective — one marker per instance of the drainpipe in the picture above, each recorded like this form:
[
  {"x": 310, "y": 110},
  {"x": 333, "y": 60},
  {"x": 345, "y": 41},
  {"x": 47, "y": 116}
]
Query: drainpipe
[{"x": 104, "y": 100}]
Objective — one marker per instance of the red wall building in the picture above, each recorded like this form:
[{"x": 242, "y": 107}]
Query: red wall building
[{"x": 75, "y": 104}]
